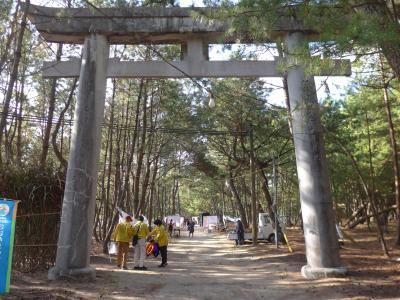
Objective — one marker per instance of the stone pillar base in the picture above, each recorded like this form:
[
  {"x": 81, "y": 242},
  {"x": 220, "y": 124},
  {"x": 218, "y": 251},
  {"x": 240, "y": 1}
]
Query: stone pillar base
[
  {"x": 84, "y": 273},
  {"x": 317, "y": 273}
]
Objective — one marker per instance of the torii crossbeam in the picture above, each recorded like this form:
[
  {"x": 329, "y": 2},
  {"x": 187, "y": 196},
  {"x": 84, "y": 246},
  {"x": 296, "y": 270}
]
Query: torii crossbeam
[{"x": 97, "y": 29}]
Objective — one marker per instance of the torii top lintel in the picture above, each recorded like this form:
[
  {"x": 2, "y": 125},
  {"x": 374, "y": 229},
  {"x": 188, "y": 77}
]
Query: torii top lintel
[{"x": 138, "y": 25}]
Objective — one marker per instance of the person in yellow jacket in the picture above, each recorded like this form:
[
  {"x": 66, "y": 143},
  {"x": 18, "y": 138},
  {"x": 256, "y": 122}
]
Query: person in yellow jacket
[
  {"x": 122, "y": 235},
  {"x": 142, "y": 230},
  {"x": 159, "y": 234}
]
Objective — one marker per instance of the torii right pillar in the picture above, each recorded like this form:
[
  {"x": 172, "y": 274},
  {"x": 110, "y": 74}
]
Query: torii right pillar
[{"x": 322, "y": 247}]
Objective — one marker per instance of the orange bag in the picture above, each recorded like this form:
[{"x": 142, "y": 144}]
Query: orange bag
[{"x": 149, "y": 248}]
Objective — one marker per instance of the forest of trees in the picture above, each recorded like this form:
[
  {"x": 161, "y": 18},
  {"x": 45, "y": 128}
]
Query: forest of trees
[{"x": 165, "y": 151}]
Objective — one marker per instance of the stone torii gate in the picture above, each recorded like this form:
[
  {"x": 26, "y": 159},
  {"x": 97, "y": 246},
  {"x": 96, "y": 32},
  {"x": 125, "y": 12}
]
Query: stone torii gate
[{"x": 97, "y": 29}]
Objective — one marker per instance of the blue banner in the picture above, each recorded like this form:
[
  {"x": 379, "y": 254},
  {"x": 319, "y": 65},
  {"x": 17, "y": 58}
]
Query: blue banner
[{"x": 8, "y": 211}]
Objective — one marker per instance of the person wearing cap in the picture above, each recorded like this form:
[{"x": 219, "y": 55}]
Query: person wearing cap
[
  {"x": 122, "y": 235},
  {"x": 142, "y": 230},
  {"x": 160, "y": 236}
]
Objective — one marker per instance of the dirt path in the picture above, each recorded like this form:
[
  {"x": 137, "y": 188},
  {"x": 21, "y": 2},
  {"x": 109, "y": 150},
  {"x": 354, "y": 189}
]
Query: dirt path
[
  {"x": 209, "y": 267},
  {"x": 204, "y": 267}
]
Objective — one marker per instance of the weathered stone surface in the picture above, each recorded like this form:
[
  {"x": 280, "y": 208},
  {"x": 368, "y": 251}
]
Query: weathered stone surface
[
  {"x": 318, "y": 273},
  {"x": 322, "y": 247},
  {"x": 183, "y": 69},
  {"x": 173, "y": 69},
  {"x": 74, "y": 239},
  {"x": 136, "y": 25},
  {"x": 195, "y": 63}
]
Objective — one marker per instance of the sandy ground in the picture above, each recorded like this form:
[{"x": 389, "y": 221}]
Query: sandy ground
[{"x": 210, "y": 267}]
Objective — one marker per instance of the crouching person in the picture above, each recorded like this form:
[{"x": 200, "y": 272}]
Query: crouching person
[
  {"x": 160, "y": 236},
  {"x": 122, "y": 235}
]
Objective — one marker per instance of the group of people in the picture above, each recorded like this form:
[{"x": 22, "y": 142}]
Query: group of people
[
  {"x": 190, "y": 227},
  {"x": 123, "y": 234}
]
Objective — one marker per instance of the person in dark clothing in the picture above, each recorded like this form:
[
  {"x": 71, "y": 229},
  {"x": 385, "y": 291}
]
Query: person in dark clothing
[
  {"x": 240, "y": 233},
  {"x": 170, "y": 228},
  {"x": 191, "y": 228}
]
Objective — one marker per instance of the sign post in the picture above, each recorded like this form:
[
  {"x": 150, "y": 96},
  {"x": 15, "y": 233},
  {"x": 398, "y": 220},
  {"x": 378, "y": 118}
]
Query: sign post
[{"x": 8, "y": 214}]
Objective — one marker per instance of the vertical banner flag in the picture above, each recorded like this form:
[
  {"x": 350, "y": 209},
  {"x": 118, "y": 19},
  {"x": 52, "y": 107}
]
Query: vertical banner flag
[{"x": 8, "y": 214}]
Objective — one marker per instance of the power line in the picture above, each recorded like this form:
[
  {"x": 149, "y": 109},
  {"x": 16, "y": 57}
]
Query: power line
[
  {"x": 38, "y": 120},
  {"x": 168, "y": 130}
]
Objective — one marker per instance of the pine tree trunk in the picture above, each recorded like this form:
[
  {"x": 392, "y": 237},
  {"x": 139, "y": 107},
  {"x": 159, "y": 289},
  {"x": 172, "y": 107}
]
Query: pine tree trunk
[
  {"x": 107, "y": 213},
  {"x": 145, "y": 184},
  {"x": 286, "y": 90},
  {"x": 395, "y": 155},
  {"x": 134, "y": 141},
  {"x": 18, "y": 158},
  {"x": 254, "y": 208},
  {"x": 61, "y": 119},
  {"x": 235, "y": 194},
  {"x": 14, "y": 73},
  {"x": 173, "y": 195},
  {"x": 372, "y": 193},
  {"x": 270, "y": 204},
  {"x": 50, "y": 113},
  {"x": 5, "y": 55},
  {"x": 152, "y": 191},
  {"x": 140, "y": 157}
]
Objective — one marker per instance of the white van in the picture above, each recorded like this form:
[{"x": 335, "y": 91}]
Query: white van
[{"x": 265, "y": 230}]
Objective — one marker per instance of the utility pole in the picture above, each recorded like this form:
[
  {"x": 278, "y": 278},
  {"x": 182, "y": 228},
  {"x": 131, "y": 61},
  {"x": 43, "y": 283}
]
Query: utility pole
[
  {"x": 254, "y": 213},
  {"x": 275, "y": 201},
  {"x": 223, "y": 204}
]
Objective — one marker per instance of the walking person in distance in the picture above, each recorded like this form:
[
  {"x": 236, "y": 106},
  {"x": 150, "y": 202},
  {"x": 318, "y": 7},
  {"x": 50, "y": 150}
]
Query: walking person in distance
[{"x": 191, "y": 228}]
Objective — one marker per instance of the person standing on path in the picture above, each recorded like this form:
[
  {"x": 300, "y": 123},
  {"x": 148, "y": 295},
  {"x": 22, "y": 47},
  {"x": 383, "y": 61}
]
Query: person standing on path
[
  {"x": 240, "y": 233},
  {"x": 122, "y": 235},
  {"x": 170, "y": 228},
  {"x": 142, "y": 230},
  {"x": 191, "y": 228},
  {"x": 160, "y": 236}
]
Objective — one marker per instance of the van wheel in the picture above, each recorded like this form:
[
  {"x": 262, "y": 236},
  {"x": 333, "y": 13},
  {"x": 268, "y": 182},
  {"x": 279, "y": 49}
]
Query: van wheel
[{"x": 271, "y": 238}]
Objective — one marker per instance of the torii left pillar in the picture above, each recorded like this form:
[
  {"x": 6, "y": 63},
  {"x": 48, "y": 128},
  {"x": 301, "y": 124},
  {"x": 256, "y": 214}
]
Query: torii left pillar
[{"x": 74, "y": 239}]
